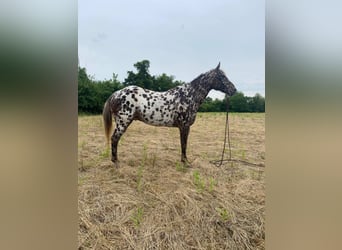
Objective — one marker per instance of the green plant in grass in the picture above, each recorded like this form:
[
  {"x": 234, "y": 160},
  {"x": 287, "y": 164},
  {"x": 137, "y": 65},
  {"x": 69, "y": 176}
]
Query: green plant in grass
[
  {"x": 81, "y": 180},
  {"x": 198, "y": 181},
  {"x": 180, "y": 167},
  {"x": 137, "y": 216},
  {"x": 81, "y": 144},
  {"x": 212, "y": 183},
  {"x": 224, "y": 214},
  {"x": 105, "y": 153}
]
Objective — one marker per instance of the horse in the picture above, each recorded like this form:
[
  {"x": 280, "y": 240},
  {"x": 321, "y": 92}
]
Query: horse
[{"x": 176, "y": 107}]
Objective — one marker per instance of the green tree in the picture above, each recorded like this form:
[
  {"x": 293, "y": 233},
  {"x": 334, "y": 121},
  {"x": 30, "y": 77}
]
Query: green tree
[
  {"x": 257, "y": 103},
  {"x": 82, "y": 75},
  {"x": 210, "y": 105},
  {"x": 206, "y": 106},
  {"x": 93, "y": 94},
  {"x": 164, "y": 82},
  {"x": 238, "y": 103},
  {"x": 142, "y": 78},
  {"x": 104, "y": 89},
  {"x": 86, "y": 92}
]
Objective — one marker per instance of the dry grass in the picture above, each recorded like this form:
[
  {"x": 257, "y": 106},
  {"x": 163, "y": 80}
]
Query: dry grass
[{"x": 154, "y": 202}]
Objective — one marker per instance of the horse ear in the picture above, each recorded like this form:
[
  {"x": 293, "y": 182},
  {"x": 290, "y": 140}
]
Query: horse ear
[{"x": 218, "y": 66}]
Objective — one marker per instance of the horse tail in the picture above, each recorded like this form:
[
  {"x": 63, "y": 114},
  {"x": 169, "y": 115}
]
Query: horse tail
[{"x": 107, "y": 119}]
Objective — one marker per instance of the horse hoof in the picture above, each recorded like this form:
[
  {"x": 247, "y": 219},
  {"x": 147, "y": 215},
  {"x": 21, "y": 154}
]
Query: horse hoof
[
  {"x": 186, "y": 163},
  {"x": 116, "y": 164}
]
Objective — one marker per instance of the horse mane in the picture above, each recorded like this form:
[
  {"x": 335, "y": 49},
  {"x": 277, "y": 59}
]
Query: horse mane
[
  {"x": 197, "y": 79},
  {"x": 204, "y": 76}
]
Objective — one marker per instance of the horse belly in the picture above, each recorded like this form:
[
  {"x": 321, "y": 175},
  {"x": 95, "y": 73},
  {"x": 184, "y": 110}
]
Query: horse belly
[{"x": 157, "y": 119}]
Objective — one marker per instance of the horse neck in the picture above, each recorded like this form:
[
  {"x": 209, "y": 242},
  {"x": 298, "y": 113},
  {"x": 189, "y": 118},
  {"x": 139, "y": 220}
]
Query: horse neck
[{"x": 199, "y": 89}]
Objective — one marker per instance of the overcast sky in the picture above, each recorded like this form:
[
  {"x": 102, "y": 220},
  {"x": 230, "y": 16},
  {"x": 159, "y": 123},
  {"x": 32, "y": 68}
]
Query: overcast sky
[{"x": 183, "y": 38}]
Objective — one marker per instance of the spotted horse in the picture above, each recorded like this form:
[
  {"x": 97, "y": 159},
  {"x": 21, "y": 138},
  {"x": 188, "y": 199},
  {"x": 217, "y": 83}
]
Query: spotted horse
[{"x": 176, "y": 107}]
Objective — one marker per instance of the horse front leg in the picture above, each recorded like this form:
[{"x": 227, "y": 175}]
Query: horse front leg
[{"x": 184, "y": 132}]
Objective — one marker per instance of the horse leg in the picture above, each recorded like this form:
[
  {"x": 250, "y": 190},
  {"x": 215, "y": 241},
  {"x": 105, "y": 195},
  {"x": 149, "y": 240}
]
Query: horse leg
[
  {"x": 184, "y": 132},
  {"x": 115, "y": 139},
  {"x": 121, "y": 127}
]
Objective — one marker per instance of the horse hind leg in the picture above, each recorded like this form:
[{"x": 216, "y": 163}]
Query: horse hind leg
[
  {"x": 120, "y": 129},
  {"x": 115, "y": 139}
]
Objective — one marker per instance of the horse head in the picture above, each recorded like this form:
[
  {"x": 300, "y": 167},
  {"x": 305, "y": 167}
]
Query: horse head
[{"x": 221, "y": 82}]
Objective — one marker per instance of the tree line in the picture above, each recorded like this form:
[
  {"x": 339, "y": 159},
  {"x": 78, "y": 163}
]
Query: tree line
[{"x": 92, "y": 93}]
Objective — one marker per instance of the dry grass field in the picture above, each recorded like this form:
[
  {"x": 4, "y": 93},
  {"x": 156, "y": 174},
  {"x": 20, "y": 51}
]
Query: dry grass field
[{"x": 153, "y": 202}]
